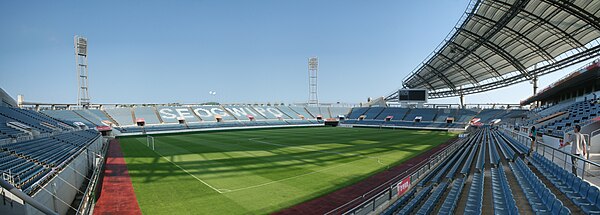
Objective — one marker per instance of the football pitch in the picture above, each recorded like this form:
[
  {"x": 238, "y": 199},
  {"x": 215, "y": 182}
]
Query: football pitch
[{"x": 261, "y": 171}]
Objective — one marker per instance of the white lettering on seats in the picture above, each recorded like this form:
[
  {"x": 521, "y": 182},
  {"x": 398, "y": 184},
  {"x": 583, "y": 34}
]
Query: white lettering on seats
[
  {"x": 167, "y": 114},
  {"x": 185, "y": 113},
  {"x": 201, "y": 112},
  {"x": 261, "y": 111},
  {"x": 218, "y": 111},
  {"x": 237, "y": 111}
]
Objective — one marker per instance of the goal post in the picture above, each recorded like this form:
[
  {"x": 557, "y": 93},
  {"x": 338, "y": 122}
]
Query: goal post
[{"x": 150, "y": 142}]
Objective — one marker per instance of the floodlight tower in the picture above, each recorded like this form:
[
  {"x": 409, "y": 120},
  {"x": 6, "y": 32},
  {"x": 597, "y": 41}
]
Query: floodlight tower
[
  {"x": 313, "y": 68},
  {"x": 83, "y": 96}
]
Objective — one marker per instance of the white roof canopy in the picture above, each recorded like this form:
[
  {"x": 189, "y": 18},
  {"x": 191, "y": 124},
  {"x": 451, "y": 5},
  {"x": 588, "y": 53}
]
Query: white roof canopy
[{"x": 500, "y": 43}]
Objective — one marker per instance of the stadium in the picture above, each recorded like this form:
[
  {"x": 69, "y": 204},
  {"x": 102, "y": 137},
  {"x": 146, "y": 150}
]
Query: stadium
[{"x": 398, "y": 152}]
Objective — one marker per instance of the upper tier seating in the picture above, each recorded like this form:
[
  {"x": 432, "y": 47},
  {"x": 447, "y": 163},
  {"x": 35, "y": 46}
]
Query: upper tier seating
[
  {"x": 337, "y": 111},
  {"x": 31, "y": 119},
  {"x": 99, "y": 115},
  {"x": 464, "y": 115},
  {"x": 269, "y": 112},
  {"x": 244, "y": 112},
  {"x": 208, "y": 113},
  {"x": 445, "y": 113},
  {"x": 396, "y": 113},
  {"x": 317, "y": 111},
  {"x": 577, "y": 113},
  {"x": 68, "y": 115},
  {"x": 301, "y": 111},
  {"x": 427, "y": 114},
  {"x": 90, "y": 117},
  {"x": 121, "y": 115},
  {"x": 287, "y": 111},
  {"x": 356, "y": 112},
  {"x": 373, "y": 112},
  {"x": 6, "y": 131},
  {"x": 146, "y": 113},
  {"x": 487, "y": 115}
]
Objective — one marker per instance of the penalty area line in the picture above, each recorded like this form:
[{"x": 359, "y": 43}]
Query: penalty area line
[
  {"x": 290, "y": 178},
  {"x": 305, "y": 174},
  {"x": 261, "y": 140},
  {"x": 189, "y": 173}
]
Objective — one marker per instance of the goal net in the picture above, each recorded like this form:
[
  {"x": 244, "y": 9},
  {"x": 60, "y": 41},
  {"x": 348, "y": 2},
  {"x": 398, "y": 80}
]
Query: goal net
[{"x": 150, "y": 142}]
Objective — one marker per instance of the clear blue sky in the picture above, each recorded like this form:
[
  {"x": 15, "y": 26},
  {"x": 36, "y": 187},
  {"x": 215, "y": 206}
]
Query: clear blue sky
[{"x": 247, "y": 51}]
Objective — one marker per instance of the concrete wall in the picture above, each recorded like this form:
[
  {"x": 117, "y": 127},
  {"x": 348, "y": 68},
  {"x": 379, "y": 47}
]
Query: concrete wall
[
  {"x": 595, "y": 141},
  {"x": 58, "y": 193},
  {"x": 10, "y": 204}
]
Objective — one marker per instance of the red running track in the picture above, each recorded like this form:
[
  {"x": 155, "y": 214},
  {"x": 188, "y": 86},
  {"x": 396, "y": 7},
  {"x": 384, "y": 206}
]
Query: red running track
[
  {"x": 329, "y": 202},
  {"x": 117, "y": 196}
]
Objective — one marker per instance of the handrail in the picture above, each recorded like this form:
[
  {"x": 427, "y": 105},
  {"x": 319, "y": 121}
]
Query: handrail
[
  {"x": 398, "y": 177},
  {"x": 86, "y": 202},
  {"x": 561, "y": 152},
  {"x": 60, "y": 167},
  {"x": 27, "y": 199},
  {"x": 593, "y": 133}
]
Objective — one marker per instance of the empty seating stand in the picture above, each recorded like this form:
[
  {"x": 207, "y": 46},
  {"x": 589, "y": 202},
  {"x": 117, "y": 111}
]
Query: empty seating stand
[
  {"x": 451, "y": 200},
  {"x": 456, "y": 165},
  {"x": 357, "y": 112},
  {"x": 399, "y": 203},
  {"x": 301, "y": 111},
  {"x": 68, "y": 115},
  {"x": 337, "y": 111},
  {"x": 507, "y": 152},
  {"x": 541, "y": 199},
  {"x": 467, "y": 166},
  {"x": 12, "y": 114},
  {"x": 580, "y": 192},
  {"x": 521, "y": 149},
  {"x": 123, "y": 116},
  {"x": 494, "y": 156},
  {"x": 415, "y": 201},
  {"x": 433, "y": 199},
  {"x": 396, "y": 113},
  {"x": 148, "y": 114},
  {"x": 475, "y": 196},
  {"x": 317, "y": 111},
  {"x": 373, "y": 112},
  {"x": 481, "y": 156},
  {"x": 28, "y": 161},
  {"x": 504, "y": 202},
  {"x": 427, "y": 114},
  {"x": 89, "y": 117}
]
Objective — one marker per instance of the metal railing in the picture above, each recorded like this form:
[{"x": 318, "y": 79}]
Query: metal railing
[
  {"x": 86, "y": 205},
  {"x": 371, "y": 200},
  {"x": 585, "y": 169}
]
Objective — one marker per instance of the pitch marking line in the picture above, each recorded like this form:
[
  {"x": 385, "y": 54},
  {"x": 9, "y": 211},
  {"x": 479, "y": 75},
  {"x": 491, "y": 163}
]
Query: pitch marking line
[
  {"x": 259, "y": 140},
  {"x": 301, "y": 175},
  {"x": 222, "y": 191},
  {"x": 189, "y": 173},
  {"x": 290, "y": 178}
]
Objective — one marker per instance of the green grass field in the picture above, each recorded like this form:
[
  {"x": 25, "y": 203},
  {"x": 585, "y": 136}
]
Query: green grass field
[{"x": 261, "y": 171}]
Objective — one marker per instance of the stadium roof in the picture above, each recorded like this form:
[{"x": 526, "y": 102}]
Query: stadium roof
[{"x": 499, "y": 43}]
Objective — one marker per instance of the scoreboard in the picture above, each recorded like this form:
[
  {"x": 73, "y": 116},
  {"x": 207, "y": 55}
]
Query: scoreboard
[{"x": 412, "y": 95}]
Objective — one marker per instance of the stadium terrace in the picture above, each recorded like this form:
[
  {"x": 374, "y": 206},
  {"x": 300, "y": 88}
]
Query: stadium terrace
[{"x": 397, "y": 153}]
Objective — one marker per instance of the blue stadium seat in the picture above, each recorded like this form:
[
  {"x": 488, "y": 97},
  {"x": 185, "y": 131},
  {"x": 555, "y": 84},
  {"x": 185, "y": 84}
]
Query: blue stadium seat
[
  {"x": 475, "y": 196},
  {"x": 414, "y": 202},
  {"x": 451, "y": 200},
  {"x": 433, "y": 199}
]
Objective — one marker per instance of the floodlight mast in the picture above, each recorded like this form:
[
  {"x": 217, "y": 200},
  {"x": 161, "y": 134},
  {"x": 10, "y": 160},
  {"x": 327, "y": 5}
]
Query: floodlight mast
[
  {"x": 81, "y": 62},
  {"x": 313, "y": 68}
]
